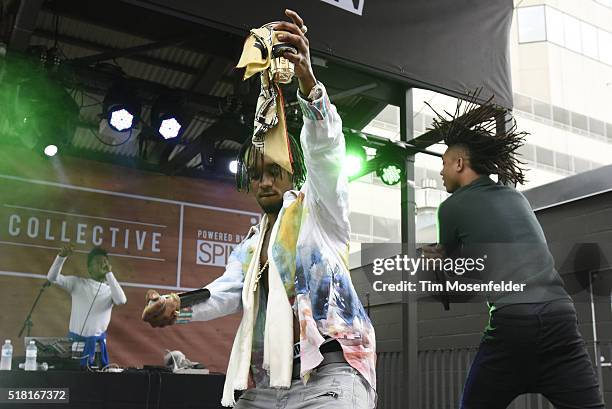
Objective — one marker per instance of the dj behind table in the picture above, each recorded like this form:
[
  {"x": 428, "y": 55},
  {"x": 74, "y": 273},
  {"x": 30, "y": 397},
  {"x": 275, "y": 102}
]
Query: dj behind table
[{"x": 180, "y": 384}]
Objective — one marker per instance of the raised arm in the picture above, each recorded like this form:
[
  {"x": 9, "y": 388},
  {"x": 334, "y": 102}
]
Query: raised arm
[
  {"x": 55, "y": 271},
  {"x": 117, "y": 293},
  {"x": 326, "y": 187}
]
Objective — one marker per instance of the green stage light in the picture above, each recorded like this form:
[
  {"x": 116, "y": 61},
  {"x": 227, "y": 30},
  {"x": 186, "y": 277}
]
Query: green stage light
[
  {"x": 352, "y": 164},
  {"x": 355, "y": 156},
  {"x": 390, "y": 173},
  {"x": 41, "y": 114}
]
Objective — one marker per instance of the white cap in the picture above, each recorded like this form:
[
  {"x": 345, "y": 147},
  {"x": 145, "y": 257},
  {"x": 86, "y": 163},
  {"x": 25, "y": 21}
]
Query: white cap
[
  {"x": 7, "y": 341},
  {"x": 32, "y": 342}
]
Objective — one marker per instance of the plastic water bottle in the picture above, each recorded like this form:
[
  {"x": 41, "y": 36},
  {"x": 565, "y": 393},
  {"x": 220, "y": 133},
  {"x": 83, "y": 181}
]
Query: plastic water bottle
[
  {"x": 7, "y": 356},
  {"x": 31, "y": 351}
]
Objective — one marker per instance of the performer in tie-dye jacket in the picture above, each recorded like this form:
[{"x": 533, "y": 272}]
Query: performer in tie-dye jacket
[{"x": 303, "y": 238}]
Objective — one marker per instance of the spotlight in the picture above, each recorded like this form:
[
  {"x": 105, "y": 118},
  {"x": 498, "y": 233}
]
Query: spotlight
[
  {"x": 40, "y": 113},
  {"x": 352, "y": 164},
  {"x": 233, "y": 166},
  {"x": 355, "y": 156},
  {"x": 170, "y": 128},
  {"x": 120, "y": 119},
  {"x": 223, "y": 163},
  {"x": 391, "y": 167},
  {"x": 121, "y": 107},
  {"x": 390, "y": 173},
  {"x": 50, "y": 150},
  {"x": 167, "y": 118}
]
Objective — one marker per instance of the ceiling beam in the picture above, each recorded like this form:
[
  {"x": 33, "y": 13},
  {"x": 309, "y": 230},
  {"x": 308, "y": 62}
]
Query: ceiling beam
[
  {"x": 208, "y": 76},
  {"x": 126, "y": 52},
  {"x": 92, "y": 80},
  {"x": 153, "y": 26},
  {"x": 24, "y": 24},
  {"x": 48, "y": 35}
]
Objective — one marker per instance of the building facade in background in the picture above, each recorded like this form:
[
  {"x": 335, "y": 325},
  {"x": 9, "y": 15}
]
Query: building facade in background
[{"x": 561, "y": 62}]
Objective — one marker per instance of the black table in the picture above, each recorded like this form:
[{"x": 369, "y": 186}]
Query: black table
[{"x": 131, "y": 389}]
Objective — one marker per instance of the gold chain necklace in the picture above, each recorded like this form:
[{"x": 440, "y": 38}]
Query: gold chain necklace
[{"x": 259, "y": 273}]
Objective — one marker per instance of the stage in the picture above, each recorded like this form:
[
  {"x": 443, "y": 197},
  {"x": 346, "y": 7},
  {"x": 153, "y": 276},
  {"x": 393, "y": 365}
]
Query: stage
[{"x": 131, "y": 389}]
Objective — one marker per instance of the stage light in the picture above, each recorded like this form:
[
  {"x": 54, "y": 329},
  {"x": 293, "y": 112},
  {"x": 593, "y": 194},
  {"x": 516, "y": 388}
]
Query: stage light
[
  {"x": 168, "y": 116},
  {"x": 233, "y": 166},
  {"x": 355, "y": 156},
  {"x": 121, "y": 107},
  {"x": 352, "y": 164},
  {"x": 50, "y": 150},
  {"x": 41, "y": 114},
  {"x": 390, "y": 173},
  {"x": 390, "y": 164},
  {"x": 120, "y": 119},
  {"x": 169, "y": 128}
]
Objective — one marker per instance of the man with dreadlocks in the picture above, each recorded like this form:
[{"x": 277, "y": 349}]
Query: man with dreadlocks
[
  {"x": 304, "y": 336},
  {"x": 532, "y": 343}
]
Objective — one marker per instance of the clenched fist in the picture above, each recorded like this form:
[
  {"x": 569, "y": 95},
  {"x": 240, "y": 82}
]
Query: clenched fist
[
  {"x": 161, "y": 311},
  {"x": 66, "y": 250}
]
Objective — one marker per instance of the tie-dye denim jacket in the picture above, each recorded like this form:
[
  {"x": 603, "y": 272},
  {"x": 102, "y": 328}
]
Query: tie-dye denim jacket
[{"x": 310, "y": 250}]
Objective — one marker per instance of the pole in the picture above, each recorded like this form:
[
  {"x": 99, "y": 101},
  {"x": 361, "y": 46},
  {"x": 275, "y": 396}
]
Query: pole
[
  {"x": 27, "y": 323},
  {"x": 409, "y": 302}
]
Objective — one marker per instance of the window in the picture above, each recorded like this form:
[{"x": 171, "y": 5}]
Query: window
[
  {"x": 435, "y": 175},
  {"x": 561, "y": 115},
  {"x": 571, "y": 29},
  {"x": 579, "y": 121},
  {"x": 526, "y": 153},
  {"x": 596, "y": 126},
  {"x": 605, "y": 46},
  {"x": 544, "y": 156},
  {"x": 541, "y": 109},
  {"x": 581, "y": 165},
  {"x": 522, "y": 103},
  {"x": 562, "y": 161},
  {"x": 544, "y": 23},
  {"x": 554, "y": 26},
  {"x": 589, "y": 40},
  {"x": 531, "y": 24}
]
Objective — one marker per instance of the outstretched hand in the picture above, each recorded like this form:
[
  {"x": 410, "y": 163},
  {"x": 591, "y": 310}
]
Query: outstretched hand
[
  {"x": 293, "y": 34},
  {"x": 160, "y": 311}
]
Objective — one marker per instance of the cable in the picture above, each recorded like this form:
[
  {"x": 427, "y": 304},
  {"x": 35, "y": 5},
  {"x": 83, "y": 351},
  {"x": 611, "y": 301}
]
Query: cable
[
  {"x": 90, "y": 307},
  {"x": 110, "y": 144},
  {"x": 83, "y": 328}
]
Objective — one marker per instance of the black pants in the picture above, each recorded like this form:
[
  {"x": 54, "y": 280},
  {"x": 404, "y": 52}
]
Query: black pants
[{"x": 532, "y": 348}]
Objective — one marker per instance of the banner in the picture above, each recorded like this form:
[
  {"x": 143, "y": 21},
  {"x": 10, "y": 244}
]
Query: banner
[
  {"x": 449, "y": 46},
  {"x": 175, "y": 241}
]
